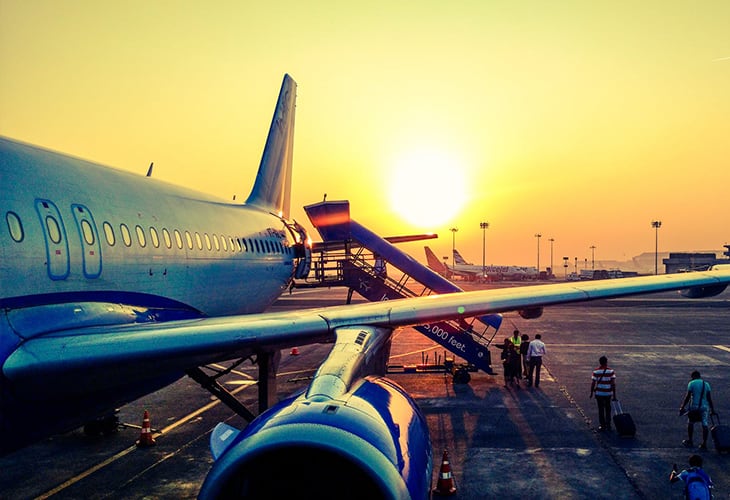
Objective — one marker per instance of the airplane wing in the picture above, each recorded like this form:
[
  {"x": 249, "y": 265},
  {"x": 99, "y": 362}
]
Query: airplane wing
[
  {"x": 117, "y": 351},
  {"x": 363, "y": 429}
]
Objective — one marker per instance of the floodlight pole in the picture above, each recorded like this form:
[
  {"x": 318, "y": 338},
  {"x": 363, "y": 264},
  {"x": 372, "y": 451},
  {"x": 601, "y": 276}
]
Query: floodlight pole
[
  {"x": 453, "y": 247},
  {"x": 656, "y": 224},
  {"x": 593, "y": 257},
  {"x": 484, "y": 226},
  {"x": 538, "y": 235},
  {"x": 552, "y": 269}
]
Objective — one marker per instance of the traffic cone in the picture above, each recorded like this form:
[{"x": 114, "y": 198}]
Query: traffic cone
[
  {"x": 295, "y": 351},
  {"x": 145, "y": 437},
  {"x": 445, "y": 484}
]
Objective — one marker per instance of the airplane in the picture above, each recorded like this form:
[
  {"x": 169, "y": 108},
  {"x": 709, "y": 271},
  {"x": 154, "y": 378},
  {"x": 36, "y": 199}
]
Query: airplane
[
  {"x": 113, "y": 285},
  {"x": 473, "y": 272}
]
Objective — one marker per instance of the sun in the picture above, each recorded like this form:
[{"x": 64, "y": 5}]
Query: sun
[{"x": 427, "y": 187}]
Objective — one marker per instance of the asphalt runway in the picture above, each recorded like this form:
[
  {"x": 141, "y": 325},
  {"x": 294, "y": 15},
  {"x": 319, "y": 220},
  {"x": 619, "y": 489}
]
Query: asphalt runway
[{"x": 502, "y": 442}]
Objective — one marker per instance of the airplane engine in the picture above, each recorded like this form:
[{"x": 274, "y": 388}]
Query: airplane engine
[
  {"x": 371, "y": 443},
  {"x": 701, "y": 292},
  {"x": 531, "y": 312}
]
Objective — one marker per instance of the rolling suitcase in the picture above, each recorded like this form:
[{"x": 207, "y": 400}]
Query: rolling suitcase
[
  {"x": 720, "y": 434},
  {"x": 623, "y": 422}
]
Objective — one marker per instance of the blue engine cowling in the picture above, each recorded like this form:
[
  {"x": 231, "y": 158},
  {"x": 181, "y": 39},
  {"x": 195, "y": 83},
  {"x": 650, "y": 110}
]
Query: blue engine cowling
[{"x": 371, "y": 443}]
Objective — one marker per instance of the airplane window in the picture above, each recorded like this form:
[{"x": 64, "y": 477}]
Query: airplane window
[
  {"x": 250, "y": 245},
  {"x": 155, "y": 237},
  {"x": 109, "y": 233},
  {"x": 140, "y": 236},
  {"x": 216, "y": 243},
  {"x": 208, "y": 244},
  {"x": 258, "y": 249},
  {"x": 238, "y": 244},
  {"x": 126, "y": 236},
  {"x": 14, "y": 226},
  {"x": 232, "y": 244},
  {"x": 166, "y": 237},
  {"x": 87, "y": 231},
  {"x": 268, "y": 247},
  {"x": 245, "y": 247},
  {"x": 178, "y": 239},
  {"x": 189, "y": 239},
  {"x": 224, "y": 242},
  {"x": 54, "y": 232},
  {"x": 198, "y": 240}
]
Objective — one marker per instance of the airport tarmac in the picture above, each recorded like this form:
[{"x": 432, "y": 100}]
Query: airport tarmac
[{"x": 509, "y": 443}]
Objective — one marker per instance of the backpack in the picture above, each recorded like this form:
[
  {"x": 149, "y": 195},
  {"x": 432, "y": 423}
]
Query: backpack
[{"x": 697, "y": 486}]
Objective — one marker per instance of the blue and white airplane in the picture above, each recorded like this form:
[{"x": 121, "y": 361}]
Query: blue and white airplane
[{"x": 113, "y": 285}]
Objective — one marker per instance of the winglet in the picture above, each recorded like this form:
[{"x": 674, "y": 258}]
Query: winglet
[{"x": 272, "y": 188}]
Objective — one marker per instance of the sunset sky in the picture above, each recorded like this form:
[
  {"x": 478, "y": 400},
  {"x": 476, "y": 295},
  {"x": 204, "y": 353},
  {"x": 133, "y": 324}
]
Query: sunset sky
[{"x": 580, "y": 121}]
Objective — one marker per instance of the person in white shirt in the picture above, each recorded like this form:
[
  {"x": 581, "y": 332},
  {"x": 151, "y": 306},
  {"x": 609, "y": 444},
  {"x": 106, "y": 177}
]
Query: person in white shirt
[{"x": 535, "y": 353}]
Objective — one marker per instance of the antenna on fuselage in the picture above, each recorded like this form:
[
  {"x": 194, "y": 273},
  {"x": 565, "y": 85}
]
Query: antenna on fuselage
[{"x": 149, "y": 170}]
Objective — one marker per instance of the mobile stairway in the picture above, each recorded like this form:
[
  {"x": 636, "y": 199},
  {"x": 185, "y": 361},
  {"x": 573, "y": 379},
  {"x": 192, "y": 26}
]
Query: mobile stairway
[{"x": 353, "y": 256}]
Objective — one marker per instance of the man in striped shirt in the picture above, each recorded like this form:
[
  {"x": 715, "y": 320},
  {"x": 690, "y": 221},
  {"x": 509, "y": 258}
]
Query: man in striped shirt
[{"x": 603, "y": 385}]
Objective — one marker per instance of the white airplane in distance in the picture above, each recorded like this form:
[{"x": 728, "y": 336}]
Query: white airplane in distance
[
  {"x": 472, "y": 272},
  {"x": 502, "y": 272},
  {"x": 113, "y": 285}
]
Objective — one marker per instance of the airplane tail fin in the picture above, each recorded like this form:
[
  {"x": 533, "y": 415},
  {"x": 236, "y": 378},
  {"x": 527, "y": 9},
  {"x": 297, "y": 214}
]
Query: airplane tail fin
[
  {"x": 458, "y": 259},
  {"x": 272, "y": 189},
  {"x": 434, "y": 262}
]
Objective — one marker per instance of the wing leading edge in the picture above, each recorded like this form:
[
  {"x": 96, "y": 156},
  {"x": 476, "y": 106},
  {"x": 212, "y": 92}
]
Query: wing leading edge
[{"x": 179, "y": 345}]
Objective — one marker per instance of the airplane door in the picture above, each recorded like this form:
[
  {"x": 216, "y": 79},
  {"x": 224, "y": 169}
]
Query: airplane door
[
  {"x": 91, "y": 249},
  {"x": 56, "y": 242}
]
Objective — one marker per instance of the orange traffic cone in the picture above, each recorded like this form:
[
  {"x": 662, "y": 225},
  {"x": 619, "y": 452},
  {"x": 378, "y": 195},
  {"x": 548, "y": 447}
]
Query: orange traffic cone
[
  {"x": 445, "y": 484},
  {"x": 295, "y": 351},
  {"x": 145, "y": 437}
]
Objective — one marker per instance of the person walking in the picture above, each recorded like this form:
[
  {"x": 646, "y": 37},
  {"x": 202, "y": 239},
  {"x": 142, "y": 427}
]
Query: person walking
[
  {"x": 524, "y": 345},
  {"x": 700, "y": 402},
  {"x": 517, "y": 342},
  {"x": 535, "y": 353},
  {"x": 510, "y": 363},
  {"x": 697, "y": 483},
  {"x": 603, "y": 386}
]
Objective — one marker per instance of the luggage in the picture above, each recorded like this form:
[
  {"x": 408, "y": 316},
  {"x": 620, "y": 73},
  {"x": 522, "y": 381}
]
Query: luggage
[
  {"x": 720, "y": 434},
  {"x": 623, "y": 422}
]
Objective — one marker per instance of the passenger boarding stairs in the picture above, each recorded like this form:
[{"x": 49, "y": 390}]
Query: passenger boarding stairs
[{"x": 353, "y": 256}]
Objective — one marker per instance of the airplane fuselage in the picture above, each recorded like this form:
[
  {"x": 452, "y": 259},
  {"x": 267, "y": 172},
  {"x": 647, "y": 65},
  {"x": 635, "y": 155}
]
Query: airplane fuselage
[{"x": 77, "y": 233}]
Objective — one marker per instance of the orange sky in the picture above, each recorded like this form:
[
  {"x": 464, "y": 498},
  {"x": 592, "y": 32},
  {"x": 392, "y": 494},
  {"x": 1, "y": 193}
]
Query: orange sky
[{"x": 579, "y": 121}]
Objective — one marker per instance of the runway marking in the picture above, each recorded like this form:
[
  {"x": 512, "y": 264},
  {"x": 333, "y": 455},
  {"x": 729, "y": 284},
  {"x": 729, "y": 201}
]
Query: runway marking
[
  {"x": 86, "y": 473},
  {"x": 73, "y": 480},
  {"x": 722, "y": 347}
]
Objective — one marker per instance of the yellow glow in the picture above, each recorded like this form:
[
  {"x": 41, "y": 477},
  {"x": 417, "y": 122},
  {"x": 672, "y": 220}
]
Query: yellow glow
[
  {"x": 427, "y": 187},
  {"x": 583, "y": 123}
]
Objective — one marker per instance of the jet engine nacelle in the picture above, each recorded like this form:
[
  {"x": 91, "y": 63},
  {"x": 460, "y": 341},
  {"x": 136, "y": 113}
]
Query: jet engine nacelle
[
  {"x": 371, "y": 443},
  {"x": 700, "y": 292},
  {"x": 531, "y": 312}
]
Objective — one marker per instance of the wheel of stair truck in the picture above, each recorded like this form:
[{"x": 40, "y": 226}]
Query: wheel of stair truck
[{"x": 461, "y": 376}]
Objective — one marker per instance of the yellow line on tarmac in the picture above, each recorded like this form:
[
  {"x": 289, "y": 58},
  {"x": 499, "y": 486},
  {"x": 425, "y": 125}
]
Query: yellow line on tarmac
[{"x": 132, "y": 448}]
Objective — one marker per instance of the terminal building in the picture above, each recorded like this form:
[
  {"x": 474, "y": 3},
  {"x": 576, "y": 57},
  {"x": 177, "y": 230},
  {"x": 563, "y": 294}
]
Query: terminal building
[{"x": 681, "y": 261}]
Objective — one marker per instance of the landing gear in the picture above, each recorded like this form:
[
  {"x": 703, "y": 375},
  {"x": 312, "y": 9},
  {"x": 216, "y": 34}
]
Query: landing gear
[{"x": 268, "y": 362}]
